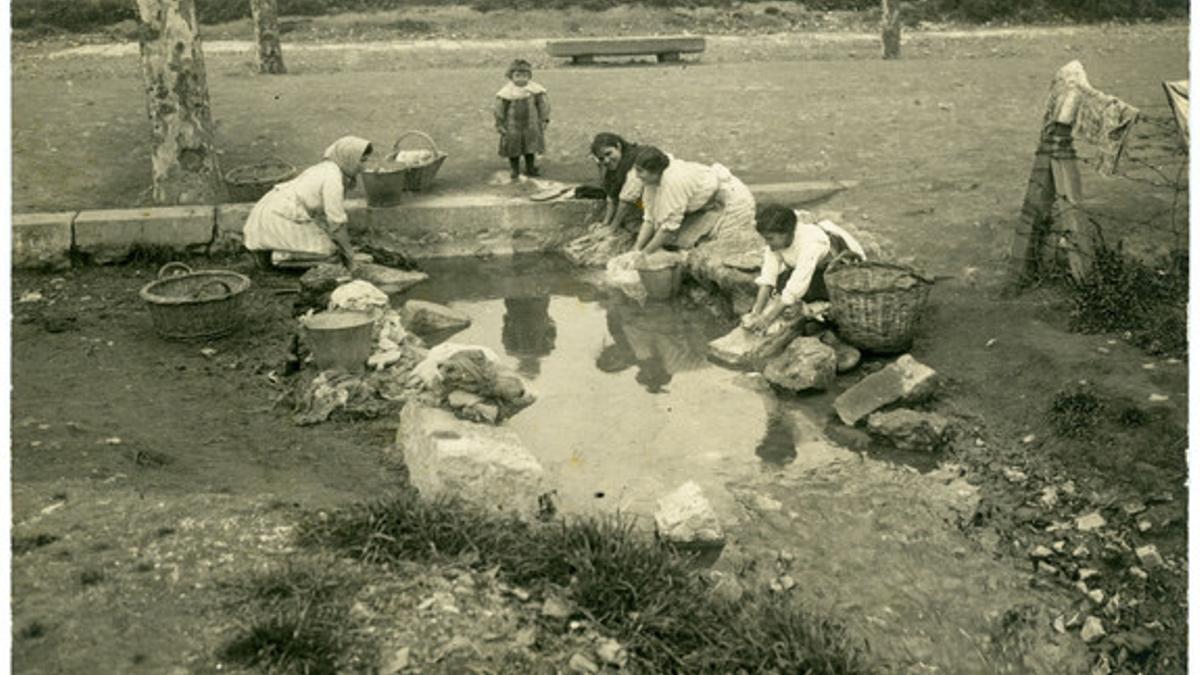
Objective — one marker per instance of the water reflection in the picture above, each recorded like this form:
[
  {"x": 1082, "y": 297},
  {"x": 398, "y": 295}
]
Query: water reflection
[
  {"x": 659, "y": 340},
  {"x": 778, "y": 444},
  {"x": 528, "y": 332}
]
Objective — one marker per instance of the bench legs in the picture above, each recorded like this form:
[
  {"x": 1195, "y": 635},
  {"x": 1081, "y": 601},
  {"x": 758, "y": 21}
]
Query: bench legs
[
  {"x": 668, "y": 57},
  {"x": 583, "y": 59}
]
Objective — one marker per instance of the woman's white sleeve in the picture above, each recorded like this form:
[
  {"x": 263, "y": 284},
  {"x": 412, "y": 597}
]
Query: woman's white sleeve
[
  {"x": 631, "y": 191},
  {"x": 770, "y": 269},
  {"x": 333, "y": 197},
  {"x": 801, "y": 279}
]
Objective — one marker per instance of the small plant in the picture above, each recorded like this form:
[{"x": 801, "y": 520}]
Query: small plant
[
  {"x": 32, "y": 630},
  {"x": 91, "y": 576},
  {"x": 22, "y": 545},
  {"x": 1126, "y": 294},
  {"x": 1074, "y": 413},
  {"x": 299, "y": 619}
]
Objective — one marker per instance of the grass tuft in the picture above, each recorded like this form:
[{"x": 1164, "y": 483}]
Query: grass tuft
[
  {"x": 647, "y": 596},
  {"x": 1075, "y": 413}
]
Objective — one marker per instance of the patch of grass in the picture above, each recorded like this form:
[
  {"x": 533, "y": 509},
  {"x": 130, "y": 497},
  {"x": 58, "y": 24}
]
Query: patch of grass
[
  {"x": 297, "y": 618},
  {"x": 1132, "y": 417},
  {"x": 91, "y": 576},
  {"x": 1147, "y": 300},
  {"x": 22, "y": 545},
  {"x": 1074, "y": 413},
  {"x": 32, "y": 630},
  {"x": 648, "y": 596}
]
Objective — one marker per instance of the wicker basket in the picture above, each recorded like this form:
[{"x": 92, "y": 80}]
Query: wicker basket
[
  {"x": 191, "y": 305},
  {"x": 248, "y": 183},
  {"x": 876, "y": 304},
  {"x": 386, "y": 182}
]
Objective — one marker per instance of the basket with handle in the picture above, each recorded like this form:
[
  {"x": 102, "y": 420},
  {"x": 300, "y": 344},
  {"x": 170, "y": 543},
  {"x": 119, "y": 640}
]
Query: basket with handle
[
  {"x": 385, "y": 181},
  {"x": 876, "y": 305},
  {"x": 249, "y": 182},
  {"x": 187, "y": 305}
]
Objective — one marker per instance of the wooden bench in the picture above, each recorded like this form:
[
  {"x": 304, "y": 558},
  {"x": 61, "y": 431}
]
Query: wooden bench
[{"x": 665, "y": 48}]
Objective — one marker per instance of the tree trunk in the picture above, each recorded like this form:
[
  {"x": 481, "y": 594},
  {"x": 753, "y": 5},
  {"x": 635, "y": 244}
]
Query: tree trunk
[
  {"x": 891, "y": 29},
  {"x": 266, "y": 33},
  {"x": 184, "y": 165}
]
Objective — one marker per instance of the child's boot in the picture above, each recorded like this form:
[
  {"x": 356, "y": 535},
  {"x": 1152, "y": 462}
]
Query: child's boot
[
  {"x": 531, "y": 168},
  {"x": 514, "y": 167}
]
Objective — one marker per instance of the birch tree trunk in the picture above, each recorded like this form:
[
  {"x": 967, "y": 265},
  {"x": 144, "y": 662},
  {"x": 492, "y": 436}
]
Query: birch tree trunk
[
  {"x": 891, "y": 29},
  {"x": 266, "y": 34},
  {"x": 184, "y": 165}
]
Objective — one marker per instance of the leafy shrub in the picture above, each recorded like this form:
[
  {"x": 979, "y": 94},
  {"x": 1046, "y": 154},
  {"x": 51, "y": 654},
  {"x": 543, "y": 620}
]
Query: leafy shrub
[{"x": 1149, "y": 301}]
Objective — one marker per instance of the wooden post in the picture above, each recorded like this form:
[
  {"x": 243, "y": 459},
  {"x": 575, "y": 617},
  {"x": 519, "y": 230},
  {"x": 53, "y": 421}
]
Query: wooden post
[
  {"x": 891, "y": 29},
  {"x": 1025, "y": 260},
  {"x": 266, "y": 34},
  {"x": 185, "y": 169}
]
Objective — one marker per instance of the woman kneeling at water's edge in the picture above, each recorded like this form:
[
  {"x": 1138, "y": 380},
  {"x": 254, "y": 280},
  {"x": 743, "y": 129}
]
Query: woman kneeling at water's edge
[
  {"x": 304, "y": 219},
  {"x": 622, "y": 189}
]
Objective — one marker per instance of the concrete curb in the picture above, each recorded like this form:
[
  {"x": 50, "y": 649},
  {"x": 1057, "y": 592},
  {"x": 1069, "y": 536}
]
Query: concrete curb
[{"x": 425, "y": 226}]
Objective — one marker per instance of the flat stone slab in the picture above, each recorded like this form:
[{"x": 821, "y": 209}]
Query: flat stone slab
[
  {"x": 905, "y": 379},
  {"x": 110, "y": 234},
  {"x": 42, "y": 240},
  {"x": 484, "y": 465}
]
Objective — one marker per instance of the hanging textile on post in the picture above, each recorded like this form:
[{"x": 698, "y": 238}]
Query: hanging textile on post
[{"x": 1177, "y": 96}]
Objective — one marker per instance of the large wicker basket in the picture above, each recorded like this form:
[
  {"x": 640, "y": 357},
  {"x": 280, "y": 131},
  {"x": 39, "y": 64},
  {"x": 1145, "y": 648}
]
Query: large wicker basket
[
  {"x": 191, "y": 305},
  {"x": 876, "y": 305},
  {"x": 248, "y": 183},
  {"x": 385, "y": 182}
]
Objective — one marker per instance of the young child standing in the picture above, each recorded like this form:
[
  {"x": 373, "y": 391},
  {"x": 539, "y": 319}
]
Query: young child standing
[{"x": 522, "y": 115}]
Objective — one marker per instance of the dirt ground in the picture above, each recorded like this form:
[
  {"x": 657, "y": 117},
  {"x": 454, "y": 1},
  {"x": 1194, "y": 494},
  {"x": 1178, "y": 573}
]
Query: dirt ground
[{"x": 108, "y": 421}]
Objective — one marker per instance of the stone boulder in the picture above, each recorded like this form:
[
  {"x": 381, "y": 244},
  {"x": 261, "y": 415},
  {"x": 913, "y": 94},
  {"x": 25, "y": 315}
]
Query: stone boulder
[
  {"x": 911, "y": 430},
  {"x": 684, "y": 517},
  {"x": 387, "y": 279},
  {"x": 483, "y": 465},
  {"x": 807, "y": 363},
  {"x": 848, "y": 356},
  {"x": 430, "y": 318},
  {"x": 904, "y": 380}
]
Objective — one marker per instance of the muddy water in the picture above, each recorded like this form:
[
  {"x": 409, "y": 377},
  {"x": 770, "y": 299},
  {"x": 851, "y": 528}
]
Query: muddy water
[{"x": 629, "y": 408}]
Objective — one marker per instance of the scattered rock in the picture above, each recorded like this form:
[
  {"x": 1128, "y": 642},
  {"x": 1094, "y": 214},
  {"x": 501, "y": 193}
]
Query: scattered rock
[
  {"x": 1041, "y": 552},
  {"x": 1096, "y": 596},
  {"x": 427, "y": 318},
  {"x": 611, "y": 652},
  {"x": 848, "y": 356},
  {"x": 686, "y": 517},
  {"x": 555, "y": 607},
  {"x": 482, "y": 464},
  {"x": 1060, "y": 624},
  {"x": 1081, "y": 551},
  {"x": 905, "y": 379},
  {"x": 1093, "y": 629},
  {"x": 582, "y": 664},
  {"x": 911, "y": 430},
  {"x": 1133, "y": 508},
  {"x": 1086, "y": 573},
  {"x": 1049, "y": 497},
  {"x": 806, "y": 363},
  {"x": 1139, "y": 573},
  {"x": 1046, "y": 568},
  {"x": 1030, "y": 438},
  {"x": 786, "y": 582},
  {"x": 1149, "y": 557},
  {"x": 848, "y": 437},
  {"x": 397, "y": 662},
  {"x": 1090, "y": 521},
  {"x": 1144, "y": 525},
  {"x": 31, "y": 296},
  {"x": 1015, "y": 475}
]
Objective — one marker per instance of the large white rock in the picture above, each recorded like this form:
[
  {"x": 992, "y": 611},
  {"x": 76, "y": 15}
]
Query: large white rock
[
  {"x": 905, "y": 379},
  {"x": 483, "y": 465},
  {"x": 807, "y": 363},
  {"x": 429, "y": 317},
  {"x": 686, "y": 517}
]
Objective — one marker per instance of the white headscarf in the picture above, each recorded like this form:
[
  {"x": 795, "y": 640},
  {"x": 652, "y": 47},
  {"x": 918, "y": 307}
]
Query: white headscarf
[{"x": 347, "y": 153}]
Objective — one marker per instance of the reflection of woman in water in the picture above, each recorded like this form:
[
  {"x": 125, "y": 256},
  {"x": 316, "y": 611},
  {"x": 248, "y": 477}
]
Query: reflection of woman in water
[
  {"x": 658, "y": 345},
  {"x": 778, "y": 444},
  {"x": 528, "y": 332}
]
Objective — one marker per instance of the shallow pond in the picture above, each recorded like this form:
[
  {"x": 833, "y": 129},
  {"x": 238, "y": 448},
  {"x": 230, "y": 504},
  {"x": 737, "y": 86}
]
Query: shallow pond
[
  {"x": 629, "y": 408},
  {"x": 628, "y": 405}
]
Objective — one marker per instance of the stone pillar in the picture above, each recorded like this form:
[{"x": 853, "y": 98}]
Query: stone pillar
[
  {"x": 184, "y": 165},
  {"x": 266, "y": 34}
]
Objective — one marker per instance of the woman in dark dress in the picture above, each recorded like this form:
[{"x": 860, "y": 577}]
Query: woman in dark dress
[{"x": 622, "y": 189}]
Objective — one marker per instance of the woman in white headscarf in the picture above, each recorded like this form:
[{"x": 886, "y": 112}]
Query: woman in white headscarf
[{"x": 304, "y": 219}]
